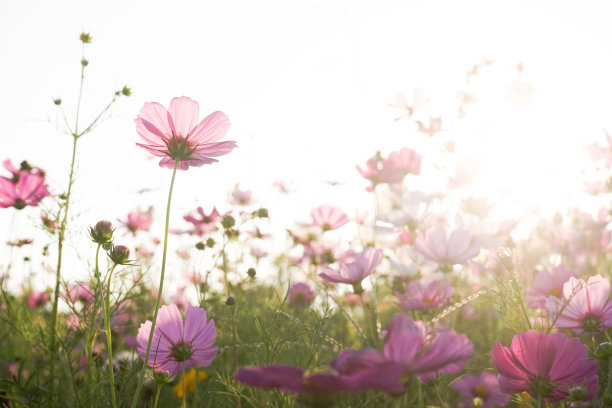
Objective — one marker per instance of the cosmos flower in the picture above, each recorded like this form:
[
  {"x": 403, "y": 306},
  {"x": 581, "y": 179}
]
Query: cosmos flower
[
  {"x": 353, "y": 267},
  {"x": 138, "y": 220},
  {"x": 425, "y": 297},
  {"x": 589, "y": 309},
  {"x": 175, "y": 135},
  {"x": 545, "y": 366},
  {"x": 435, "y": 125},
  {"x": 547, "y": 283},
  {"x": 241, "y": 197},
  {"x": 22, "y": 190},
  {"x": 457, "y": 248},
  {"x": 392, "y": 169},
  {"x": 300, "y": 295},
  {"x": 204, "y": 224},
  {"x": 481, "y": 390},
  {"x": 175, "y": 342},
  {"x": 328, "y": 217},
  {"x": 37, "y": 299}
]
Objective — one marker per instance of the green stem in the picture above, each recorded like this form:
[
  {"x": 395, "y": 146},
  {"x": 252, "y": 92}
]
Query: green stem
[
  {"x": 159, "y": 294},
  {"x": 183, "y": 385},
  {"x": 159, "y": 387},
  {"x": 92, "y": 334},
  {"x": 233, "y": 316},
  {"x": 109, "y": 343}
]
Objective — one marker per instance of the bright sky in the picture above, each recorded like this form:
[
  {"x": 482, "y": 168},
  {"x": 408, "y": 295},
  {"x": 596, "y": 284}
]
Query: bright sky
[{"x": 307, "y": 85}]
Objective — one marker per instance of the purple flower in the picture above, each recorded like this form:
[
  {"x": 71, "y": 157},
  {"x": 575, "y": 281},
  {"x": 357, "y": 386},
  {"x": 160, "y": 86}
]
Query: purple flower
[
  {"x": 300, "y": 295},
  {"x": 482, "y": 389},
  {"x": 353, "y": 267},
  {"x": 425, "y": 297}
]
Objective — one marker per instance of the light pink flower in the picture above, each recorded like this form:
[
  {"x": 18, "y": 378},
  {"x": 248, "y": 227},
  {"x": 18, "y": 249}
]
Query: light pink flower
[
  {"x": 425, "y": 297},
  {"x": 241, "y": 197},
  {"x": 425, "y": 353},
  {"x": 485, "y": 387},
  {"x": 435, "y": 125},
  {"x": 545, "y": 366},
  {"x": 457, "y": 248},
  {"x": 22, "y": 190},
  {"x": 328, "y": 217},
  {"x": 589, "y": 309},
  {"x": 353, "y": 267},
  {"x": 300, "y": 295},
  {"x": 418, "y": 99},
  {"x": 204, "y": 224},
  {"x": 175, "y": 343},
  {"x": 392, "y": 169},
  {"x": 547, "y": 284},
  {"x": 138, "y": 220},
  {"x": 175, "y": 134}
]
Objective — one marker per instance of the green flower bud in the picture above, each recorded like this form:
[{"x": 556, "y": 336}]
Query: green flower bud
[
  {"x": 210, "y": 243},
  {"x": 119, "y": 254},
  {"x": 230, "y": 301},
  {"x": 200, "y": 246},
  {"x": 57, "y": 101},
  {"x": 252, "y": 272},
  {"x": 228, "y": 222},
  {"x": 85, "y": 38},
  {"x": 102, "y": 232},
  {"x": 126, "y": 91},
  {"x": 84, "y": 62}
]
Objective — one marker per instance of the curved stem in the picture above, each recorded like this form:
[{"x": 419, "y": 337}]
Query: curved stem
[{"x": 159, "y": 294}]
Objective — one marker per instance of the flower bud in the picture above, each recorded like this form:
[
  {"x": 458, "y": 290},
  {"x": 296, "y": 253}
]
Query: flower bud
[
  {"x": 162, "y": 376},
  {"x": 57, "y": 101},
  {"x": 126, "y": 91},
  {"x": 210, "y": 243},
  {"x": 102, "y": 232},
  {"x": 577, "y": 393},
  {"x": 252, "y": 272},
  {"x": 230, "y": 301},
  {"x": 262, "y": 213},
  {"x": 228, "y": 222},
  {"x": 200, "y": 246},
  {"x": 84, "y": 62},
  {"x": 85, "y": 38},
  {"x": 119, "y": 254}
]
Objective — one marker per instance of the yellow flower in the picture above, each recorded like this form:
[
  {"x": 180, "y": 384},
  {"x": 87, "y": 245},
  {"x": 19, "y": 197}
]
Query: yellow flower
[{"x": 190, "y": 382}]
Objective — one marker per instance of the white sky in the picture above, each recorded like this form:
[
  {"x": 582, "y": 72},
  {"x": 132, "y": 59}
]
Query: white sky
[{"x": 305, "y": 83}]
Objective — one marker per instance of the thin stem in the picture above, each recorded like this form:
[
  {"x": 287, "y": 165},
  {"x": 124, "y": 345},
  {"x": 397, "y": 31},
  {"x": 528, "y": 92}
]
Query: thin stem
[
  {"x": 159, "y": 294},
  {"x": 76, "y": 124},
  {"x": 109, "y": 343},
  {"x": 92, "y": 334},
  {"x": 183, "y": 386},
  {"x": 159, "y": 387}
]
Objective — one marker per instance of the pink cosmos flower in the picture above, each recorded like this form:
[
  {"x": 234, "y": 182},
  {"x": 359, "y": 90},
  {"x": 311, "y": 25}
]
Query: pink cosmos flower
[
  {"x": 37, "y": 299},
  {"x": 418, "y": 99},
  {"x": 22, "y": 189},
  {"x": 138, "y": 220},
  {"x": 457, "y": 248},
  {"x": 547, "y": 284},
  {"x": 425, "y": 353},
  {"x": 328, "y": 217},
  {"x": 353, "y": 267},
  {"x": 545, "y": 366},
  {"x": 175, "y": 343},
  {"x": 204, "y": 224},
  {"x": 81, "y": 292},
  {"x": 482, "y": 389},
  {"x": 392, "y": 169},
  {"x": 589, "y": 309},
  {"x": 175, "y": 134},
  {"x": 425, "y": 297},
  {"x": 241, "y": 197},
  {"x": 300, "y": 295},
  {"x": 435, "y": 125}
]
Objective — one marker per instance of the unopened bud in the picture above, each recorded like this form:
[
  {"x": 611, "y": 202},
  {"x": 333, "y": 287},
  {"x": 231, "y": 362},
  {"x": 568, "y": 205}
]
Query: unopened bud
[
  {"x": 84, "y": 62},
  {"x": 210, "y": 243},
  {"x": 102, "y": 232},
  {"x": 119, "y": 254},
  {"x": 85, "y": 38},
  {"x": 228, "y": 222},
  {"x": 252, "y": 272},
  {"x": 57, "y": 101},
  {"x": 126, "y": 91},
  {"x": 262, "y": 213},
  {"x": 200, "y": 246},
  {"x": 578, "y": 393},
  {"x": 230, "y": 301}
]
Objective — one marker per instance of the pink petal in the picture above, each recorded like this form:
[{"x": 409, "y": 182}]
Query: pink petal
[
  {"x": 211, "y": 128},
  {"x": 185, "y": 113}
]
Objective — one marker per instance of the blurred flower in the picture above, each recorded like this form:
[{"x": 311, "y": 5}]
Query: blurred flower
[
  {"x": 458, "y": 248},
  {"x": 418, "y": 99},
  {"x": 205, "y": 224},
  {"x": 353, "y": 267},
  {"x": 37, "y": 299},
  {"x": 81, "y": 292},
  {"x": 258, "y": 252},
  {"x": 588, "y": 310},
  {"x": 392, "y": 169},
  {"x": 482, "y": 391},
  {"x": 190, "y": 382},
  {"x": 435, "y": 125},
  {"x": 240, "y": 197},
  {"x": 544, "y": 365},
  {"x": 547, "y": 284},
  {"x": 23, "y": 188},
  {"x": 300, "y": 295},
  {"x": 175, "y": 134},
  {"x": 425, "y": 297},
  {"x": 175, "y": 343},
  {"x": 328, "y": 217},
  {"x": 138, "y": 220},
  {"x": 598, "y": 152}
]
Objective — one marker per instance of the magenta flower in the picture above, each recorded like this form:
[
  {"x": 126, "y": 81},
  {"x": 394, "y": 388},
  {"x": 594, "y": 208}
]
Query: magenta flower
[
  {"x": 204, "y": 224},
  {"x": 328, "y": 217},
  {"x": 353, "y": 267},
  {"x": 547, "y": 284},
  {"x": 483, "y": 390},
  {"x": 545, "y": 366},
  {"x": 392, "y": 169},
  {"x": 24, "y": 188},
  {"x": 175, "y": 134},
  {"x": 425, "y": 297},
  {"x": 425, "y": 353},
  {"x": 300, "y": 295},
  {"x": 457, "y": 248},
  {"x": 37, "y": 299},
  {"x": 175, "y": 343},
  {"x": 589, "y": 309},
  {"x": 138, "y": 220}
]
